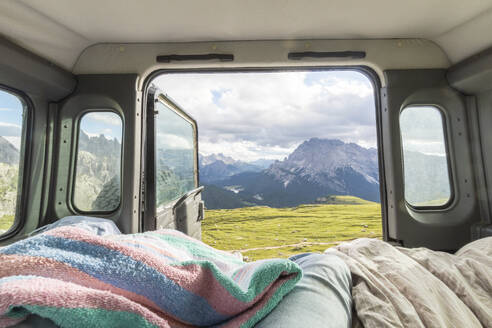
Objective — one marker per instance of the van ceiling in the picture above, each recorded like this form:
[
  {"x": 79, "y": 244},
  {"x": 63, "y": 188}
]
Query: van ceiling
[{"x": 60, "y": 30}]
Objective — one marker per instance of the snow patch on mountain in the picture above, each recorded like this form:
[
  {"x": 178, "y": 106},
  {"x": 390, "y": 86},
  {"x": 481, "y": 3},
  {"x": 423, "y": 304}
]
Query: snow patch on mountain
[{"x": 234, "y": 189}]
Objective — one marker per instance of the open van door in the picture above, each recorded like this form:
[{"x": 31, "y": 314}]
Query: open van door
[
  {"x": 172, "y": 198},
  {"x": 428, "y": 159}
]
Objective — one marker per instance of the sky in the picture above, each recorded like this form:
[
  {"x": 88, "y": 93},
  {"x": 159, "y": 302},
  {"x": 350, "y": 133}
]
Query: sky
[
  {"x": 94, "y": 124},
  {"x": 11, "y": 111},
  {"x": 172, "y": 131},
  {"x": 422, "y": 130},
  {"x": 249, "y": 116},
  {"x": 107, "y": 123}
]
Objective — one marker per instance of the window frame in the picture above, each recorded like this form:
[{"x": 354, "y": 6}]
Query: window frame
[
  {"x": 24, "y": 162},
  {"x": 368, "y": 71},
  {"x": 73, "y": 177},
  {"x": 452, "y": 189},
  {"x": 171, "y": 104}
]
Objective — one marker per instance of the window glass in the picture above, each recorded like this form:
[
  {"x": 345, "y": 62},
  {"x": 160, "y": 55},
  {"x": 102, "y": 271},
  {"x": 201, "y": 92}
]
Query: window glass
[
  {"x": 425, "y": 158},
  {"x": 12, "y": 114},
  {"x": 98, "y": 170},
  {"x": 174, "y": 155}
]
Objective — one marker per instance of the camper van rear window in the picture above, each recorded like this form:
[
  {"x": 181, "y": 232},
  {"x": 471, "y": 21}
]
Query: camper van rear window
[
  {"x": 98, "y": 168},
  {"x": 425, "y": 157},
  {"x": 12, "y": 125},
  {"x": 175, "y": 155}
]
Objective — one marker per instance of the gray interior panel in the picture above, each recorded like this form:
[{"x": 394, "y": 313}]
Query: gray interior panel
[
  {"x": 484, "y": 118},
  {"x": 441, "y": 228},
  {"x": 473, "y": 76},
  {"x": 33, "y": 75},
  {"x": 98, "y": 92},
  {"x": 39, "y": 83}
]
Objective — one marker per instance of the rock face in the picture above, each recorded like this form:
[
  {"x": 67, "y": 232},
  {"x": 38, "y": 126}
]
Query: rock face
[
  {"x": 8, "y": 153},
  {"x": 331, "y": 167},
  {"x": 97, "y": 186},
  {"x": 327, "y": 162},
  {"x": 9, "y": 175},
  {"x": 318, "y": 167},
  {"x": 207, "y": 160}
]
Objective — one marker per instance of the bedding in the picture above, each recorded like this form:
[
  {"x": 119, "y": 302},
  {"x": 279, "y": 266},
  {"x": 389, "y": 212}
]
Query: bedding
[
  {"x": 402, "y": 287},
  {"x": 77, "y": 275},
  {"x": 77, "y": 278},
  {"x": 99, "y": 226}
]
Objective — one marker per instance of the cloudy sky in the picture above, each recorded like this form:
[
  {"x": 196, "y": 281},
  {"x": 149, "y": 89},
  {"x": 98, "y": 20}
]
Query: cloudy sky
[
  {"x": 267, "y": 115},
  {"x": 422, "y": 130},
  {"x": 251, "y": 115},
  {"x": 11, "y": 111},
  {"x": 107, "y": 123}
]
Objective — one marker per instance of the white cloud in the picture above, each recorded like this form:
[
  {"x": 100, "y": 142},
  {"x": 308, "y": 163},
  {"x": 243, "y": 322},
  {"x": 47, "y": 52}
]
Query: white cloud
[
  {"x": 258, "y": 115},
  {"x": 104, "y": 117},
  {"x": 422, "y": 130},
  {"x": 5, "y": 109},
  {"x": 10, "y": 130},
  {"x": 245, "y": 150},
  {"x": 171, "y": 141}
]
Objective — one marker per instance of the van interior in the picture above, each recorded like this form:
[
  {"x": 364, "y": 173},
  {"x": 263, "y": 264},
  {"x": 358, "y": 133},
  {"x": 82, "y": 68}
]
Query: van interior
[{"x": 71, "y": 69}]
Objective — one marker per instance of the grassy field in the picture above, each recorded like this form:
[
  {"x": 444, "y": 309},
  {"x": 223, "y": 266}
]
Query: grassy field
[
  {"x": 264, "y": 232},
  {"x": 6, "y": 222}
]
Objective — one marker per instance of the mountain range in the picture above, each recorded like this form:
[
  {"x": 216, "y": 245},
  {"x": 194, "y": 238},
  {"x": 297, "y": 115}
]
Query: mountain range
[
  {"x": 316, "y": 168},
  {"x": 97, "y": 180},
  {"x": 8, "y": 153},
  {"x": 218, "y": 167},
  {"x": 9, "y": 170}
]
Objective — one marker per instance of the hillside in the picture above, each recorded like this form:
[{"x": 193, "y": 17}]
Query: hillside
[
  {"x": 342, "y": 200},
  {"x": 318, "y": 167},
  {"x": 321, "y": 167},
  {"x": 8, "y": 153},
  {"x": 97, "y": 176},
  {"x": 218, "y": 198},
  {"x": 264, "y": 232},
  {"x": 435, "y": 173},
  {"x": 217, "y": 167},
  {"x": 9, "y": 171},
  {"x": 8, "y": 194}
]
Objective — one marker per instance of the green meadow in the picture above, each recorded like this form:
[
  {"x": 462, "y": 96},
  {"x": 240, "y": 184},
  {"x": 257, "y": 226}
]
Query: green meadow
[
  {"x": 264, "y": 232},
  {"x": 6, "y": 222}
]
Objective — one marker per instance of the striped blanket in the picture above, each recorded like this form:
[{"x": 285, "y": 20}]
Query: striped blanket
[{"x": 155, "y": 279}]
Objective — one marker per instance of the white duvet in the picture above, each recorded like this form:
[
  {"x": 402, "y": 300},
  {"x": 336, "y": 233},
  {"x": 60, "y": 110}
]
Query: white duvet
[{"x": 400, "y": 287}]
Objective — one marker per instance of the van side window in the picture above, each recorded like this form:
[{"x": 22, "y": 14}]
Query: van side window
[
  {"x": 425, "y": 157},
  {"x": 98, "y": 167},
  {"x": 174, "y": 155},
  {"x": 13, "y": 115}
]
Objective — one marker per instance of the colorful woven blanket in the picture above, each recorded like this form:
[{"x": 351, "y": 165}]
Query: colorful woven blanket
[{"x": 155, "y": 279}]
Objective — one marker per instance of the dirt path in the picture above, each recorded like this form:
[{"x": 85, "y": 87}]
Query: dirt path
[{"x": 305, "y": 243}]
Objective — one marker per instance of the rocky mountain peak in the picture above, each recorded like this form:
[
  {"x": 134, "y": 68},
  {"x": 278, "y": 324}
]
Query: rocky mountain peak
[
  {"x": 8, "y": 153},
  {"x": 206, "y": 160},
  {"x": 323, "y": 158}
]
